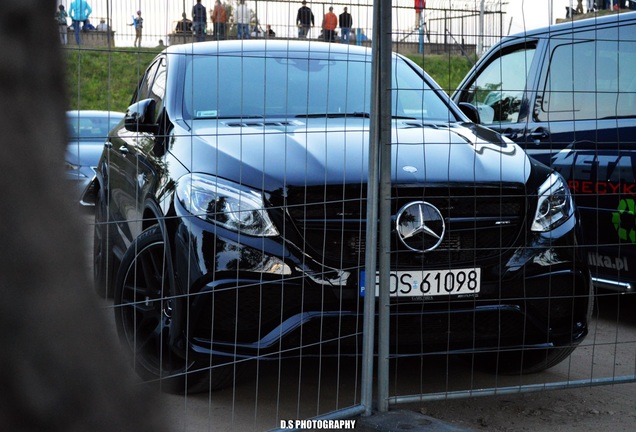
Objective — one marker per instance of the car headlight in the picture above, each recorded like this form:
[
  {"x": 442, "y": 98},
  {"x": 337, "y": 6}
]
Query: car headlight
[
  {"x": 554, "y": 205},
  {"x": 224, "y": 203}
]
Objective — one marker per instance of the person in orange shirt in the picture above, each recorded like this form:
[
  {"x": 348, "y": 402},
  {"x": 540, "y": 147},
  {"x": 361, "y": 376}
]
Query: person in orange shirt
[
  {"x": 329, "y": 24},
  {"x": 219, "y": 18}
]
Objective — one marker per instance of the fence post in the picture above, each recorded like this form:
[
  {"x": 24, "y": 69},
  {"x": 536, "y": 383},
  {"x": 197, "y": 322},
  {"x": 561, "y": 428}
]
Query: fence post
[{"x": 382, "y": 60}]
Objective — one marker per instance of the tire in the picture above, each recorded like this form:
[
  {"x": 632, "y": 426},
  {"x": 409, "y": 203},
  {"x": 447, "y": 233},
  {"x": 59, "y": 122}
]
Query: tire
[
  {"x": 103, "y": 273},
  {"x": 143, "y": 314},
  {"x": 521, "y": 362}
]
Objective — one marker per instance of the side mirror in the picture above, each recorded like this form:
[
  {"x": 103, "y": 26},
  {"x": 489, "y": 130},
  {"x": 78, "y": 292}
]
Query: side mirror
[
  {"x": 140, "y": 117},
  {"x": 470, "y": 111}
]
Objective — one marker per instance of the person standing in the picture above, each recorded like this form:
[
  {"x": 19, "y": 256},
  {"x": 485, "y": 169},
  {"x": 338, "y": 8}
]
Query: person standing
[
  {"x": 62, "y": 25},
  {"x": 79, "y": 12},
  {"x": 199, "y": 20},
  {"x": 304, "y": 20},
  {"x": 243, "y": 20},
  {"x": 345, "y": 22},
  {"x": 219, "y": 20},
  {"x": 329, "y": 24},
  {"x": 138, "y": 24}
]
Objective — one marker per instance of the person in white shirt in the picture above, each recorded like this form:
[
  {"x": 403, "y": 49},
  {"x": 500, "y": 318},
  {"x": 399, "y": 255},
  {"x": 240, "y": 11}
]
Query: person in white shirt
[
  {"x": 102, "y": 26},
  {"x": 243, "y": 20}
]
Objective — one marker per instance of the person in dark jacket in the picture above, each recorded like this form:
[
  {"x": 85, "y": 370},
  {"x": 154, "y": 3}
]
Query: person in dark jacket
[
  {"x": 184, "y": 25},
  {"x": 345, "y": 22},
  {"x": 199, "y": 20},
  {"x": 304, "y": 20}
]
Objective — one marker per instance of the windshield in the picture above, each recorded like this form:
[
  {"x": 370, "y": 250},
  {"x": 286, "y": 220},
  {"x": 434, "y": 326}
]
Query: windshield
[{"x": 328, "y": 84}]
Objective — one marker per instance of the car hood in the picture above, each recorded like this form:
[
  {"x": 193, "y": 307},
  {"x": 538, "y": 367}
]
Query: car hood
[
  {"x": 270, "y": 155},
  {"x": 84, "y": 153}
]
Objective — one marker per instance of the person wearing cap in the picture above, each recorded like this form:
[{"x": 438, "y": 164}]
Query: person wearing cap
[
  {"x": 329, "y": 24},
  {"x": 138, "y": 23},
  {"x": 79, "y": 11},
  {"x": 60, "y": 17},
  {"x": 345, "y": 21},
  {"x": 304, "y": 20}
]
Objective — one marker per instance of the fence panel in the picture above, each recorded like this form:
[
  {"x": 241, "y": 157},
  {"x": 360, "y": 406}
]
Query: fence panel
[{"x": 259, "y": 319}]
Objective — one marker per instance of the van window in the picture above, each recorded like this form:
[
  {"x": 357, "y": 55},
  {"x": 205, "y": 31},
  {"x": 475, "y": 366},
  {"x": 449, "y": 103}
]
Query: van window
[
  {"x": 593, "y": 77},
  {"x": 498, "y": 89}
]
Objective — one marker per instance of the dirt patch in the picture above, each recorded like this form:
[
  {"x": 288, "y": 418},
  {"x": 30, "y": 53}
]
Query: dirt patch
[{"x": 594, "y": 408}]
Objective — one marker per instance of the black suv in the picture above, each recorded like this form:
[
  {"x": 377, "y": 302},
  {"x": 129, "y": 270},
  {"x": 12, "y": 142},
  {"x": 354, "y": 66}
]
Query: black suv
[
  {"x": 567, "y": 95},
  {"x": 231, "y": 213}
]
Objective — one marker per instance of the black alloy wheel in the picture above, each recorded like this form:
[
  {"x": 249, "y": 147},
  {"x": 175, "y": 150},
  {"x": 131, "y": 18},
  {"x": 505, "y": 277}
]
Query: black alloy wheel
[{"x": 143, "y": 312}]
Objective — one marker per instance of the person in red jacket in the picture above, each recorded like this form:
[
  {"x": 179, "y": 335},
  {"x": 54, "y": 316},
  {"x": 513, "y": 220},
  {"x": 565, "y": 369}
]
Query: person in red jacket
[
  {"x": 329, "y": 24},
  {"x": 219, "y": 18}
]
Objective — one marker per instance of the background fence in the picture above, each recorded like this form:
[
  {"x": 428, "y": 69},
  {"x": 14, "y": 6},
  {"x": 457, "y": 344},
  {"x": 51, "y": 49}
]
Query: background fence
[
  {"x": 456, "y": 22},
  {"x": 274, "y": 392}
]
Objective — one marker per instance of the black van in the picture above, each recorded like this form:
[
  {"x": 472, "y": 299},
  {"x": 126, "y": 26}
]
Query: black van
[{"x": 567, "y": 94}]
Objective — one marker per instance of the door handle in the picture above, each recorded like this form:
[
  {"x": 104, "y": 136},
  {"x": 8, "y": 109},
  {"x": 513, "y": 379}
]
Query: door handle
[
  {"x": 509, "y": 133},
  {"x": 538, "y": 135},
  {"x": 123, "y": 149}
]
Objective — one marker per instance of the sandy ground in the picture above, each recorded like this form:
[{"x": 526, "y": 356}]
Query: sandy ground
[
  {"x": 300, "y": 389},
  {"x": 609, "y": 351},
  {"x": 305, "y": 388},
  {"x": 584, "y": 409}
]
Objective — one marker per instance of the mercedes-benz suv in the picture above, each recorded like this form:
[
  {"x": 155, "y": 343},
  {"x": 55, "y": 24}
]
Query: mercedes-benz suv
[{"x": 231, "y": 219}]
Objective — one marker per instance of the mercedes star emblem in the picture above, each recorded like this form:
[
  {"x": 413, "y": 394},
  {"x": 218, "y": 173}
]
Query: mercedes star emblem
[{"x": 420, "y": 226}]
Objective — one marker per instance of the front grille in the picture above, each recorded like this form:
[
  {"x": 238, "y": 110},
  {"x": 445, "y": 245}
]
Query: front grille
[{"x": 481, "y": 222}]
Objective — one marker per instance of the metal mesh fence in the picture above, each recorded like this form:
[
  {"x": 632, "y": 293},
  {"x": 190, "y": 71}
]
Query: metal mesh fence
[{"x": 232, "y": 207}]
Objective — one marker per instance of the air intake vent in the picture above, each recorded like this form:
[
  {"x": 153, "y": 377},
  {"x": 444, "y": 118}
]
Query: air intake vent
[{"x": 261, "y": 124}]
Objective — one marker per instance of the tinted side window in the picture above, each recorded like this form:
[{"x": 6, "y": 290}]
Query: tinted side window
[
  {"x": 157, "y": 90},
  {"x": 143, "y": 90},
  {"x": 593, "y": 76},
  {"x": 498, "y": 89}
]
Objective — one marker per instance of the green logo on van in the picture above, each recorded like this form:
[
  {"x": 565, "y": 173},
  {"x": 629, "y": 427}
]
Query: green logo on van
[{"x": 623, "y": 220}]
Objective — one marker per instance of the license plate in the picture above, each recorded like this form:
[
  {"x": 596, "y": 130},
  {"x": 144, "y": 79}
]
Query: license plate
[{"x": 429, "y": 282}]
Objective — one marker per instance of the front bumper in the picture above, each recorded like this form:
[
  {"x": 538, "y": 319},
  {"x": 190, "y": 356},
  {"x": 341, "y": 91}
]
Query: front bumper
[{"x": 255, "y": 297}]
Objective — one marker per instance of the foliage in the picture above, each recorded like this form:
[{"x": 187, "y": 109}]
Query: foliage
[
  {"x": 446, "y": 70},
  {"x": 103, "y": 79}
]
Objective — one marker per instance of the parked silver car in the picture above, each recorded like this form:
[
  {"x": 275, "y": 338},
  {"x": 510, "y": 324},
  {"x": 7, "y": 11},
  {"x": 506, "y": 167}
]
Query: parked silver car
[{"x": 87, "y": 132}]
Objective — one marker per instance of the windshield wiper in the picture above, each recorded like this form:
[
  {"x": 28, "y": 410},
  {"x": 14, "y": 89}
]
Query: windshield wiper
[{"x": 353, "y": 114}]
